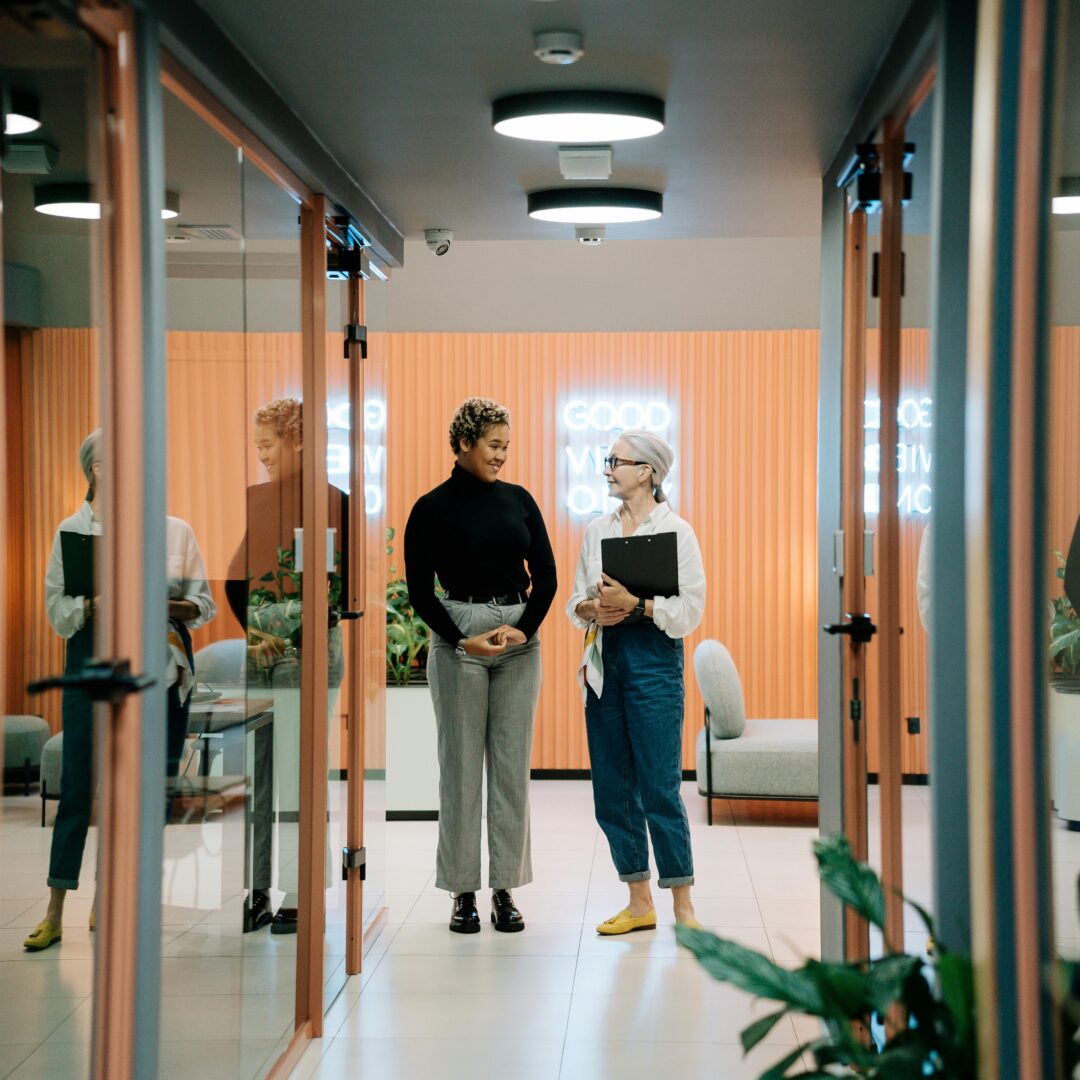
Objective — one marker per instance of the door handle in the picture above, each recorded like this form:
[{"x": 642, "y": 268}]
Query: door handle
[
  {"x": 859, "y": 628},
  {"x": 343, "y": 616},
  {"x": 100, "y": 680}
]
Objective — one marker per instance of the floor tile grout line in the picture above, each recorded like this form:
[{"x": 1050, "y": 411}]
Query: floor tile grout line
[{"x": 577, "y": 958}]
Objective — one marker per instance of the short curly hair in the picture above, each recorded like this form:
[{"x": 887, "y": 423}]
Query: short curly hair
[
  {"x": 473, "y": 417},
  {"x": 285, "y": 416}
]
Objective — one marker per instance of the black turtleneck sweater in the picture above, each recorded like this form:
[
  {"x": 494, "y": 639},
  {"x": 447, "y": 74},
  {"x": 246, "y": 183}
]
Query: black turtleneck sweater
[{"x": 477, "y": 537}]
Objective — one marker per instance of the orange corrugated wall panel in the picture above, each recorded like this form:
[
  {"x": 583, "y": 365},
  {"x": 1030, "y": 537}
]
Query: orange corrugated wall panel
[
  {"x": 745, "y": 434},
  {"x": 746, "y": 408}
]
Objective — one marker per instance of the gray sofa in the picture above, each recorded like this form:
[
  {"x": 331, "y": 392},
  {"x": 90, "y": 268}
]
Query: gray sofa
[{"x": 748, "y": 759}]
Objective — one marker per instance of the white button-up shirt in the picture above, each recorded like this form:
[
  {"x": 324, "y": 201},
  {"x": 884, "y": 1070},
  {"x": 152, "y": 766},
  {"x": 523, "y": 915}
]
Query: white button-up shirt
[
  {"x": 677, "y": 616},
  {"x": 184, "y": 566}
]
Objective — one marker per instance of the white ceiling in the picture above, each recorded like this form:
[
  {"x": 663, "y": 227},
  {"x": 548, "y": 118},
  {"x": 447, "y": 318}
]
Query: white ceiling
[{"x": 759, "y": 95}]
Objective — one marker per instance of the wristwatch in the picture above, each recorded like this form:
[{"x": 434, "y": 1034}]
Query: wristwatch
[
  {"x": 640, "y": 609},
  {"x": 459, "y": 648}
]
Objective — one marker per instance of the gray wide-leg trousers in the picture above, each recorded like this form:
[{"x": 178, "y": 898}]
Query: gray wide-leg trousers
[{"x": 484, "y": 709}]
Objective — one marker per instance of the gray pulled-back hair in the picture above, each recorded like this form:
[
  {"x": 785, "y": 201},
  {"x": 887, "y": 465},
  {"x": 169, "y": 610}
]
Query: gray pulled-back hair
[
  {"x": 89, "y": 452},
  {"x": 649, "y": 448}
]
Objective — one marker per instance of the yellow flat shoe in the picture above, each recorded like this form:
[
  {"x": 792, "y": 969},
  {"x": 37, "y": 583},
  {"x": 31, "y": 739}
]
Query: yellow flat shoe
[
  {"x": 42, "y": 936},
  {"x": 692, "y": 923},
  {"x": 93, "y": 920},
  {"x": 625, "y": 923}
]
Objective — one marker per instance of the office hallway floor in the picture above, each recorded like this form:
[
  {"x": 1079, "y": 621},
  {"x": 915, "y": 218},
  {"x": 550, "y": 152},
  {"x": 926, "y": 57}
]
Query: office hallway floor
[{"x": 558, "y": 1001}]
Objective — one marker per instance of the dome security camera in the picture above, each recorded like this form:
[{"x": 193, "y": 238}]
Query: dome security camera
[{"x": 438, "y": 240}]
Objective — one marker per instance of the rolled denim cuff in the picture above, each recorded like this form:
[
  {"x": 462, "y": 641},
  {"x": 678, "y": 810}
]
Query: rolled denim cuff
[
  {"x": 637, "y": 875},
  {"x": 61, "y": 883},
  {"x": 674, "y": 882}
]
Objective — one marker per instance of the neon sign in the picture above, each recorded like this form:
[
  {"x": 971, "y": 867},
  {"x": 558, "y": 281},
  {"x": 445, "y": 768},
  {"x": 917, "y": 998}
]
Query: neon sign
[
  {"x": 339, "y": 423},
  {"x": 914, "y": 415},
  {"x": 592, "y": 425}
]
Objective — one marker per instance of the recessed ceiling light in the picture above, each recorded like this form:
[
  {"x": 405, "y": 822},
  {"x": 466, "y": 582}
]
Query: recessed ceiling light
[
  {"x": 74, "y": 200},
  {"x": 578, "y": 116},
  {"x": 1068, "y": 200},
  {"x": 595, "y": 206},
  {"x": 22, "y": 113}
]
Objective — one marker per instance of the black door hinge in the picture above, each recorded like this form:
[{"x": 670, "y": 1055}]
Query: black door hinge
[{"x": 356, "y": 332}]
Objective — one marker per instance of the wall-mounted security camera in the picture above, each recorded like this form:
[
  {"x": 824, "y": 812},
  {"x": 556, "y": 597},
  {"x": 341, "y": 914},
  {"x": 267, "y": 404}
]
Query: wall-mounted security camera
[{"x": 439, "y": 240}]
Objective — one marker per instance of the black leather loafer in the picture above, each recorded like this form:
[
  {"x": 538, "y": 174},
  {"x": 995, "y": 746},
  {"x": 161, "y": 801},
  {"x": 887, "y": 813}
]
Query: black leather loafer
[
  {"x": 284, "y": 922},
  {"x": 464, "y": 918},
  {"x": 259, "y": 912},
  {"x": 504, "y": 913}
]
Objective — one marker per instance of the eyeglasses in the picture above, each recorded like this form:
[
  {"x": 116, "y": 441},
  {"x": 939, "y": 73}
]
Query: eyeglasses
[{"x": 612, "y": 463}]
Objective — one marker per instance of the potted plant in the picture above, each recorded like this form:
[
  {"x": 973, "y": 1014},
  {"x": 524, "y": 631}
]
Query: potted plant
[
  {"x": 930, "y": 1003},
  {"x": 1064, "y": 705},
  {"x": 407, "y": 635},
  {"x": 412, "y": 763}
]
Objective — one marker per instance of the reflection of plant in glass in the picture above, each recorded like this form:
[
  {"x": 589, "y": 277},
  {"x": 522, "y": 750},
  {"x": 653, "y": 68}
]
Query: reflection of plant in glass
[
  {"x": 935, "y": 1036},
  {"x": 274, "y": 606},
  {"x": 407, "y": 635},
  {"x": 1064, "y": 633}
]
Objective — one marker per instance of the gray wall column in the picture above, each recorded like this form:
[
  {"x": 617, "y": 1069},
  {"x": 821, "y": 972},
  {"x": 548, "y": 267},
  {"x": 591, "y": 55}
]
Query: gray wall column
[{"x": 951, "y": 187}]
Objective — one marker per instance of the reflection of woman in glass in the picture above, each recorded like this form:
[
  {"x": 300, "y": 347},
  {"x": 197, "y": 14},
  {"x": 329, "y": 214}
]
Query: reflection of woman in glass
[
  {"x": 72, "y": 617},
  {"x": 633, "y": 685},
  {"x": 478, "y": 533},
  {"x": 263, "y": 591}
]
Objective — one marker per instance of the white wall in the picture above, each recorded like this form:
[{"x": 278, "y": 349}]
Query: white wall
[{"x": 621, "y": 285}]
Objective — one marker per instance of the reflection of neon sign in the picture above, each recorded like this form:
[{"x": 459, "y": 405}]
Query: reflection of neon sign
[
  {"x": 602, "y": 419},
  {"x": 913, "y": 459},
  {"x": 339, "y": 422}
]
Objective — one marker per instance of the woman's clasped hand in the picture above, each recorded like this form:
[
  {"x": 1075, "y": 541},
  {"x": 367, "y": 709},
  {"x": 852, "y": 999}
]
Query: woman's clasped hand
[{"x": 493, "y": 642}]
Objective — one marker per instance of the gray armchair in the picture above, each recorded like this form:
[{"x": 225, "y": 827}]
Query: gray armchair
[{"x": 748, "y": 759}]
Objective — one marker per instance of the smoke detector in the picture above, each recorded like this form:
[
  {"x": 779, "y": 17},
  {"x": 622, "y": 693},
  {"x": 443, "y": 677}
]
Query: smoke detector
[
  {"x": 558, "y": 47},
  {"x": 589, "y": 235}
]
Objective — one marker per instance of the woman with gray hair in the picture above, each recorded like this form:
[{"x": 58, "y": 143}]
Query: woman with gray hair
[
  {"x": 486, "y": 542},
  {"x": 71, "y": 614},
  {"x": 632, "y": 684}
]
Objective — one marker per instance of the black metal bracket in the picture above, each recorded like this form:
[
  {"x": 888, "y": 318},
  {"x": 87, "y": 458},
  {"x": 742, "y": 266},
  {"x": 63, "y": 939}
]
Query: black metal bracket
[
  {"x": 342, "y": 264},
  {"x": 356, "y": 332},
  {"x": 351, "y": 859},
  {"x": 859, "y": 628},
  {"x": 875, "y": 283},
  {"x": 99, "y": 680},
  {"x": 350, "y": 615}
]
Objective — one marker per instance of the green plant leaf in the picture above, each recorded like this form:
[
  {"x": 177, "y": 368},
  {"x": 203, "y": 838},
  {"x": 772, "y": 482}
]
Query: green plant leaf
[
  {"x": 753, "y": 1033},
  {"x": 779, "y": 1070},
  {"x": 924, "y": 915},
  {"x": 843, "y": 987},
  {"x": 853, "y": 882},
  {"x": 957, "y": 989},
  {"x": 731, "y": 962},
  {"x": 1064, "y": 641},
  {"x": 905, "y": 1062},
  {"x": 885, "y": 983}
]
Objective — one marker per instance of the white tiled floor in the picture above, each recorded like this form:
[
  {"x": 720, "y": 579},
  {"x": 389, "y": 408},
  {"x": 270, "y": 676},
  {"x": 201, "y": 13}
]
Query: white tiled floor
[{"x": 556, "y": 1001}]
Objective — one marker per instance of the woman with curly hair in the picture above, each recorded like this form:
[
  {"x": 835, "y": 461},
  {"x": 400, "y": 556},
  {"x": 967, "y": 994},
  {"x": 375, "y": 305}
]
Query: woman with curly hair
[
  {"x": 264, "y": 595},
  {"x": 478, "y": 533}
]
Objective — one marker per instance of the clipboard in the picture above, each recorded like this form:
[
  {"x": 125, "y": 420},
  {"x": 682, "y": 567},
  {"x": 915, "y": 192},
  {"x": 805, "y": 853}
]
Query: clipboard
[
  {"x": 647, "y": 565},
  {"x": 80, "y": 556}
]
